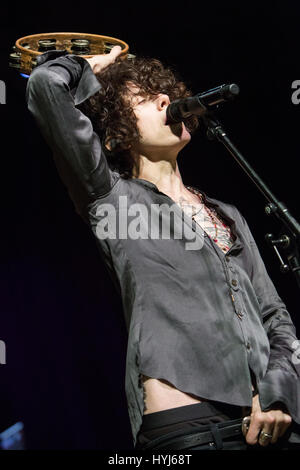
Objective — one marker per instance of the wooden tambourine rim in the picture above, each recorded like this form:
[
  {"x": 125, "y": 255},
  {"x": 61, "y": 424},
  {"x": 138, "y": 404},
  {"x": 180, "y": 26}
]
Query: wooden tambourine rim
[{"x": 32, "y": 53}]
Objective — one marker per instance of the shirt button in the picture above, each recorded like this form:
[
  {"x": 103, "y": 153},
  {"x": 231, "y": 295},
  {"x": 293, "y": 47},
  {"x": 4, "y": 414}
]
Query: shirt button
[
  {"x": 234, "y": 282},
  {"x": 248, "y": 345}
]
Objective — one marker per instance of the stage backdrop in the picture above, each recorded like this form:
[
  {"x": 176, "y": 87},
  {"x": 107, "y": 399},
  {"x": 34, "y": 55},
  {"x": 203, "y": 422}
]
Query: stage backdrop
[{"x": 61, "y": 320}]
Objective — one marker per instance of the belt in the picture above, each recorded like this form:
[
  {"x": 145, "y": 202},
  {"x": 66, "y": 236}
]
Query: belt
[{"x": 215, "y": 433}]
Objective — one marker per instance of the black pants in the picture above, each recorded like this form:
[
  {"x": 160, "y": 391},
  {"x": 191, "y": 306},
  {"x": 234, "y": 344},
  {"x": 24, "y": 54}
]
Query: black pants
[{"x": 161, "y": 428}]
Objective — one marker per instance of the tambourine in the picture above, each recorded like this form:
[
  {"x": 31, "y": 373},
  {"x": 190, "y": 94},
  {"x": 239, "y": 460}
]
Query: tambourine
[{"x": 26, "y": 49}]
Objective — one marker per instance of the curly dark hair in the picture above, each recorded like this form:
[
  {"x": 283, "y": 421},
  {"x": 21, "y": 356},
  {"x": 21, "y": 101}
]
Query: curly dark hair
[{"x": 113, "y": 117}]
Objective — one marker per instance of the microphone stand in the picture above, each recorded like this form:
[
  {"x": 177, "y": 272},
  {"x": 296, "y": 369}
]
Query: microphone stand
[{"x": 289, "y": 236}]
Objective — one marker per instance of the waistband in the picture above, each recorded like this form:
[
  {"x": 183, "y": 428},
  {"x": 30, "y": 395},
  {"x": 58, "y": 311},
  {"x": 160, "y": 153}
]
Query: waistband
[
  {"x": 181, "y": 440},
  {"x": 204, "y": 409}
]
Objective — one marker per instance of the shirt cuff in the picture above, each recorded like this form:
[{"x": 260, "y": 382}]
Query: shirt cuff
[
  {"x": 279, "y": 385},
  {"x": 84, "y": 83}
]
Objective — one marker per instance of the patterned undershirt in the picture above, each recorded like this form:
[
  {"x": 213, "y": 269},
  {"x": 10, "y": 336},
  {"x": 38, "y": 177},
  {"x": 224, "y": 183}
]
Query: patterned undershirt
[{"x": 203, "y": 216}]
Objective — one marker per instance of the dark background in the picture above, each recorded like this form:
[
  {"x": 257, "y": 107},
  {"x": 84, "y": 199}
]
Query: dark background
[{"x": 61, "y": 319}]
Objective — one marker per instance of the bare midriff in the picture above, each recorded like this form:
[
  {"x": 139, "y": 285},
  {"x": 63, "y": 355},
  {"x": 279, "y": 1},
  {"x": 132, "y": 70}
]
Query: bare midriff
[{"x": 160, "y": 395}]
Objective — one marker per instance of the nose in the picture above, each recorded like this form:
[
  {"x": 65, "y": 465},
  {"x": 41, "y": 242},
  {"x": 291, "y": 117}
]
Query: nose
[{"x": 162, "y": 101}]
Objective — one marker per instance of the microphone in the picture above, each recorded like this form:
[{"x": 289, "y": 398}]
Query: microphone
[{"x": 181, "y": 109}]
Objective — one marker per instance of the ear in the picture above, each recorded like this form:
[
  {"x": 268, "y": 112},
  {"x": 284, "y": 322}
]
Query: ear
[
  {"x": 107, "y": 144},
  {"x": 112, "y": 144}
]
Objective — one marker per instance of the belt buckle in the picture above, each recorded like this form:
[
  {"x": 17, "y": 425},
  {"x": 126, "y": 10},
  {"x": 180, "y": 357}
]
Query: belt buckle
[{"x": 245, "y": 424}]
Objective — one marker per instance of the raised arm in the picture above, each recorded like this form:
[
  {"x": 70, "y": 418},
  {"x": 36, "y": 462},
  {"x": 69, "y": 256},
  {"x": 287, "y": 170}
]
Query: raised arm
[{"x": 56, "y": 86}]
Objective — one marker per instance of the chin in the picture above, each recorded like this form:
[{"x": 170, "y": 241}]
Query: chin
[{"x": 186, "y": 135}]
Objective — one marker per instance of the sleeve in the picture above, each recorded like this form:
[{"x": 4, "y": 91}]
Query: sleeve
[
  {"x": 281, "y": 383},
  {"x": 59, "y": 83}
]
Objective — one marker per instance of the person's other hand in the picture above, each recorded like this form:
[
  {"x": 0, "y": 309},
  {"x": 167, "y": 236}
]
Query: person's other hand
[{"x": 266, "y": 426}]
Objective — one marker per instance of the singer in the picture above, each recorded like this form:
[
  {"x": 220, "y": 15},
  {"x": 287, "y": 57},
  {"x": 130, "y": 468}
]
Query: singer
[{"x": 209, "y": 339}]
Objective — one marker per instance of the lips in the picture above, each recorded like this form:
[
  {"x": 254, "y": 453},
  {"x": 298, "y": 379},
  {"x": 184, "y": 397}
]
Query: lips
[{"x": 177, "y": 128}]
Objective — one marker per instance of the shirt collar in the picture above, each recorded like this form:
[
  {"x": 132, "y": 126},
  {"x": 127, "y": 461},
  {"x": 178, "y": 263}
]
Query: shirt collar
[
  {"x": 153, "y": 186},
  {"x": 237, "y": 245}
]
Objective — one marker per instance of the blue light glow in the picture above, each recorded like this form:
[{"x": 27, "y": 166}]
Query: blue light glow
[{"x": 24, "y": 75}]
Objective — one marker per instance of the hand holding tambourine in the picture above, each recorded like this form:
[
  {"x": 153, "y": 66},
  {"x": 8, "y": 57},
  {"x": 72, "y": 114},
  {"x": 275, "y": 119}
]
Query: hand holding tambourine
[
  {"x": 99, "y": 62},
  {"x": 26, "y": 49}
]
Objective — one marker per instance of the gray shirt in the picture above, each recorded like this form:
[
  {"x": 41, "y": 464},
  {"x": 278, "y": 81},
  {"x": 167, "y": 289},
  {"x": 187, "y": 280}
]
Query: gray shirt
[{"x": 202, "y": 319}]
